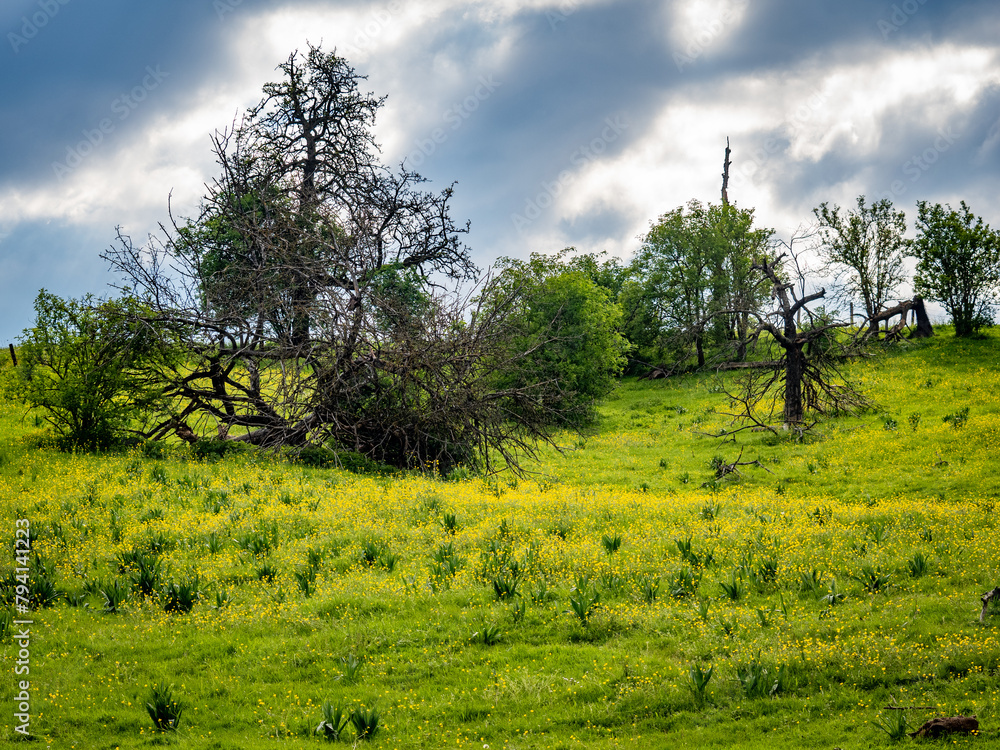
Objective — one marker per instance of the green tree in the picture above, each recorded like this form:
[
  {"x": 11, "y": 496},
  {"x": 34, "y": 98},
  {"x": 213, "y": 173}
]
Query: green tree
[
  {"x": 90, "y": 367},
  {"x": 864, "y": 248},
  {"x": 736, "y": 289},
  {"x": 958, "y": 264},
  {"x": 693, "y": 280},
  {"x": 568, "y": 326}
]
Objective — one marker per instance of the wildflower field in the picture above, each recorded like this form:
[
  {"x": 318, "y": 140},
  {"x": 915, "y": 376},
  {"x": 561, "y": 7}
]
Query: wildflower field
[{"x": 620, "y": 595}]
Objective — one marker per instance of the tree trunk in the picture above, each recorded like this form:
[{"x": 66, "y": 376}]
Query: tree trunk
[
  {"x": 725, "y": 175},
  {"x": 924, "y": 328},
  {"x": 794, "y": 367},
  {"x": 949, "y": 725}
]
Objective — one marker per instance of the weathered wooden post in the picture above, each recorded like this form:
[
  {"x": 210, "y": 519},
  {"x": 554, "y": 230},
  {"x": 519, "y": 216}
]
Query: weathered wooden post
[{"x": 13, "y": 354}]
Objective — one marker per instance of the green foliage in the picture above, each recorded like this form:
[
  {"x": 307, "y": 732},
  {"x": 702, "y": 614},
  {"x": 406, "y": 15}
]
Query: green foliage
[
  {"x": 489, "y": 633},
  {"x": 569, "y": 325},
  {"x": 694, "y": 265},
  {"x": 758, "y": 681},
  {"x": 447, "y": 559},
  {"x": 147, "y": 574},
  {"x": 213, "y": 450},
  {"x": 90, "y": 366},
  {"x": 650, "y": 588},
  {"x": 917, "y": 565},
  {"x": 306, "y": 580},
  {"x": 685, "y": 583},
  {"x": 698, "y": 680},
  {"x": 162, "y": 708},
  {"x": 864, "y": 249},
  {"x": 114, "y": 594},
  {"x": 872, "y": 578},
  {"x": 334, "y": 722},
  {"x": 958, "y": 264},
  {"x": 584, "y": 599},
  {"x": 957, "y": 419},
  {"x": 833, "y": 595},
  {"x": 365, "y": 721},
  {"x": 894, "y": 724},
  {"x": 611, "y": 543},
  {"x": 181, "y": 597},
  {"x": 351, "y": 665},
  {"x": 812, "y": 583},
  {"x": 732, "y": 590}
]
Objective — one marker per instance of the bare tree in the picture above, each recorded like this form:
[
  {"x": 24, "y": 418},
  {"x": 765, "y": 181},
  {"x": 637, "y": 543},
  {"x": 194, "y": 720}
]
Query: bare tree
[
  {"x": 308, "y": 296},
  {"x": 803, "y": 374}
]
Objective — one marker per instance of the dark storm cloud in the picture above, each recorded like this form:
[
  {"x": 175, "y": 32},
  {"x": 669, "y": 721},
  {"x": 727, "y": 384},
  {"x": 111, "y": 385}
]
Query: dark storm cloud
[
  {"x": 528, "y": 102},
  {"x": 117, "y": 61},
  {"x": 582, "y": 84}
]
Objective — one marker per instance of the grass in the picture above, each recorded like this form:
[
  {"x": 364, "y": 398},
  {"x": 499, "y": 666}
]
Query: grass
[{"x": 859, "y": 583}]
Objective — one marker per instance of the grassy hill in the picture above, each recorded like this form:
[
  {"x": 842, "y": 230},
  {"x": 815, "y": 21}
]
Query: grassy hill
[{"x": 582, "y": 606}]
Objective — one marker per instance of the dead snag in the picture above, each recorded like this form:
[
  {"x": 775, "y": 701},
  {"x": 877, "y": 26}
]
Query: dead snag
[
  {"x": 722, "y": 469},
  {"x": 986, "y": 599},
  {"x": 949, "y": 725}
]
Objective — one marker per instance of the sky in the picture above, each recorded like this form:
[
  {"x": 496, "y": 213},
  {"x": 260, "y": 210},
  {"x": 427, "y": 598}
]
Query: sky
[{"x": 561, "y": 122}]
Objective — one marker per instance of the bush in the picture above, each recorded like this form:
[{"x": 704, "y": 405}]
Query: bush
[
  {"x": 213, "y": 450},
  {"x": 91, "y": 367},
  {"x": 570, "y": 326},
  {"x": 163, "y": 709}
]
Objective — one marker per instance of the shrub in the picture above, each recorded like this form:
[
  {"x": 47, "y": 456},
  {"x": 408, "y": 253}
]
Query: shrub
[
  {"x": 115, "y": 594},
  {"x": 163, "y": 709},
  {"x": 334, "y": 722},
  {"x": 181, "y": 597},
  {"x": 570, "y": 327},
  {"x": 698, "y": 680},
  {"x": 91, "y": 367},
  {"x": 352, "y": 668},
  {"x": 365, "y": 722},
  {"x": 611, "y": 543},
  {"x": 584, "y": 599}
]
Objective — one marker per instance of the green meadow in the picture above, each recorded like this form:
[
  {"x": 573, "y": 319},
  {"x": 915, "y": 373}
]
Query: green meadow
[{"x": 619, "y": 595}]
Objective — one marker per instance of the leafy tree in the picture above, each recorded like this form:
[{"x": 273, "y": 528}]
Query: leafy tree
[
  {"x": 569, "y": 326},
  {"x": 87, "y": 365},
  {"x": 693, "y": 279},
  {"x": 958, "y": 264},
  {"x": 736, "y": 289},
  {"x": 865, "y": 249}
]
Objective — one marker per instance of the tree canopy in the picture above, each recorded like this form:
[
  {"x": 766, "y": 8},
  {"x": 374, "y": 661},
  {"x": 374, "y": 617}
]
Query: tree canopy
[
  {"x": 958, "y": 264},
  {"x": 693, "y": 279},
  {"x": 864, "y": 248},
  {"x": 318, "y": 295}
]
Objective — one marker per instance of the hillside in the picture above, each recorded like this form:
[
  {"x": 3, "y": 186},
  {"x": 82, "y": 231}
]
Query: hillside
[{"x": 607, "y": 597}]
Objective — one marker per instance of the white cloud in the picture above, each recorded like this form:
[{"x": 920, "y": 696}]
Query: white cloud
[{"x": 818, "y": 111}]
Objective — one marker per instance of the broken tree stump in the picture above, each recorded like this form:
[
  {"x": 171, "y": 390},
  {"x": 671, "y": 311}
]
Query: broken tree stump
[
  {"x": 986, "y": 599},
  {"x": 950, "y": 725}
]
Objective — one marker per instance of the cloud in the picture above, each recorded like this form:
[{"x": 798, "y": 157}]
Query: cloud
[{"x": 511, "y": 99}]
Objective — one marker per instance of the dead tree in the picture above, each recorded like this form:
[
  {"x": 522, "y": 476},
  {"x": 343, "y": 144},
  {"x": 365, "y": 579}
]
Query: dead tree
[
  {"x": 306, "y": 299},
  {"x": 986, "y": 598},
  {"x": 806, "y": 368},
  {"x": 801, "y": 372},
  {"x": 922, "y": 327},
  {"x": 725, "y": 175},
  {"x": 942, "y": 726}
]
